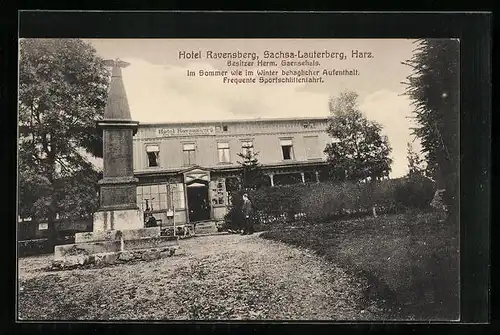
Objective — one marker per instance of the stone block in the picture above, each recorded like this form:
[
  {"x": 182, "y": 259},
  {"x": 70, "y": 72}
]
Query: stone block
[
  {"x": 117, "y": 191},
  {"x": 71, "y": 261},
  {"x": 107, "y": 258},
  {"x": 98, "y": 236},
  {"x": 148, "y": 243},
  {"x": 76, "y": 260},
  {"x": 149, "y": 255},
  {"x": 205, "y": 228},
  {"x": 90, "y": 248},
  {"x": 167, "y": 252},
  {"x": 126, "y": 256},
  {"x": 133, "y": 234},
  {"x": 118, "y": 219}
]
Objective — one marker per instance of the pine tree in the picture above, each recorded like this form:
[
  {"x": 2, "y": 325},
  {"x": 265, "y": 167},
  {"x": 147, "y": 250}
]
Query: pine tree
[
  {"x": 252, "y": 174},
  {"x": 433, "y": 86}
]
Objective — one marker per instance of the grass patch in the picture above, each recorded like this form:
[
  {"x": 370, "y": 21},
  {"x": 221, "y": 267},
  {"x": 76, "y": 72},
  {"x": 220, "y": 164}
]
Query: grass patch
[{"x": 409, "y": 260}]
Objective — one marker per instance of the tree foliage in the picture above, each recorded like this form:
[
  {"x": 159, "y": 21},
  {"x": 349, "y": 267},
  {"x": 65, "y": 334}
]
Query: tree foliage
[
  {"x": 252, "y": 174},
  {"x": 77, "y": 195},
  {"x": 358, "y": 150},
  {"x": 416, "y": 166},
  {"x": 433, "y": 87},
  {"x": 62, "y": 92}
]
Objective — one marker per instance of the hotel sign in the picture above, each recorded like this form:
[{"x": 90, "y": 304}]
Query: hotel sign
[{"x": 194, "y": 131}]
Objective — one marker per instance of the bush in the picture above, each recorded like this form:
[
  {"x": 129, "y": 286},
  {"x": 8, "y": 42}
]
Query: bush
[
  {"x": 233, "y": 219},
  {"x": 279, "y": 200},
  {"x": 415, "y": 192},
  {"x": 270, "y": 205},
  {"x": 330, "y": 200}
]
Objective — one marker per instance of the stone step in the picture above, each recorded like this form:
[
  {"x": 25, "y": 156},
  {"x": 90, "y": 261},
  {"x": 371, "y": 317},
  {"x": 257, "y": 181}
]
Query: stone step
[
  {"x": 205, "y": 228},
  {"x": 148, "y": 254},
  {"x": 88, "y": 248},
  {"x": 149, "y": 242},
  {"x": 98, "y": 236},
  {"x": 213, "y": 234},
  {"x": 133, "y": 234}
]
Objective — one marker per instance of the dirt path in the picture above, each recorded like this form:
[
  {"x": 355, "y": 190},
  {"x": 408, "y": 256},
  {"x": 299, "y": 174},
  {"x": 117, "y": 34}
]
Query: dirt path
[{"x": 212, "y": 277}]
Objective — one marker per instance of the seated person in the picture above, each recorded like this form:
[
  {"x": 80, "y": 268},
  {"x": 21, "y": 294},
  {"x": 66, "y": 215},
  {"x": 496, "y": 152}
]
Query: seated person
[{"x": 151, "y": 221}]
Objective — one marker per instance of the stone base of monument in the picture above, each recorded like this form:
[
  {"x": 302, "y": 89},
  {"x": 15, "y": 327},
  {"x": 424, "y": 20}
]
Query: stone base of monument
[
  {"x": 114, "y": 246},
  {"x": 118, "y": 219}
]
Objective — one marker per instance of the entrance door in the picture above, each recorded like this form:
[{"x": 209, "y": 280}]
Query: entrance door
[{"x": 199, "y": 207}]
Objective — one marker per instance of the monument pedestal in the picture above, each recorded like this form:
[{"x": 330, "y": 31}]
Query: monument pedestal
[
  {"x": 118, "y": 219},
  {"x": 104, "y": 247}
]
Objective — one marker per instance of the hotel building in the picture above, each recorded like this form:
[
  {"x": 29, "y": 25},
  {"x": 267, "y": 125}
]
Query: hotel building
[{"x": 183, "y": 168}]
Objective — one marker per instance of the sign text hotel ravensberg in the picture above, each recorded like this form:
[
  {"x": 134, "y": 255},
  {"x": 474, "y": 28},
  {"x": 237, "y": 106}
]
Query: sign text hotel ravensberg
[{"x": 182, "y": 131}]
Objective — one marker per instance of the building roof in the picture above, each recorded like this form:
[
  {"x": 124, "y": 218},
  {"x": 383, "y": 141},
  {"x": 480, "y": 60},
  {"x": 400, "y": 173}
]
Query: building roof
[
  {"x": 156, "y": 124},
  {"x": 173, "y": 171}
]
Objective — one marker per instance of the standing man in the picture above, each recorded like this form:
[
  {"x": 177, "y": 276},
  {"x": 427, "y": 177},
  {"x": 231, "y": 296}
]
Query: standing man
[{"x": 246, "y": 208}]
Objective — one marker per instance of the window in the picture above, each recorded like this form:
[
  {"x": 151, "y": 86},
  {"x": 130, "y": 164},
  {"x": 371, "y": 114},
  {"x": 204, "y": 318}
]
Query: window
[
  {"x": 287, "y": 149},
  {"x": 152, "y": 197},
  {"x": 312, "y": 149},
  {"x": 159, "y": 196},
  {"x": 223, "y": 150},
  {"x": 224, "y": 128},
  {"x": 153, "y": 152},
  {"x": 188, "y": 151},
  {"x": 247, "y": 148}
]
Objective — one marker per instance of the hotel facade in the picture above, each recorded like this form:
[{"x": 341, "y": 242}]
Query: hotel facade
[{"x": 184, "y": 168}]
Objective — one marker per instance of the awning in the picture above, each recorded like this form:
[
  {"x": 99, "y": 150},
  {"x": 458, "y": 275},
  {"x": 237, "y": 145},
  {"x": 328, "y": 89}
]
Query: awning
[
  {"x": 152, "y": 148},
  {"x": 286, "y": 142}
]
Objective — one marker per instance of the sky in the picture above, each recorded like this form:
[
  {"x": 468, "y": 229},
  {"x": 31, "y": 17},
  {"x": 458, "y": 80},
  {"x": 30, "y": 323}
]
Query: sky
[{"x": 158, "y": 89}]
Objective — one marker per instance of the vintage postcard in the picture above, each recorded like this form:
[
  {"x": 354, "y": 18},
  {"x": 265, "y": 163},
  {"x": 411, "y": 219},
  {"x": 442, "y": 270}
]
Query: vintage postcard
[{"x": 238, "y": 179}]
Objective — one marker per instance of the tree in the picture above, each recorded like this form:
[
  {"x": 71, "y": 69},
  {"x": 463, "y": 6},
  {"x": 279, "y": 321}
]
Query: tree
[
  {"x": 78, "y": 194},
  {"x": 252, "y": 175},
  {"x": 433, "y": 87},
  {"x": 415, "y": 162},
  {"x": 358, "y": 150},
  {"x": 62, "y": 92}
]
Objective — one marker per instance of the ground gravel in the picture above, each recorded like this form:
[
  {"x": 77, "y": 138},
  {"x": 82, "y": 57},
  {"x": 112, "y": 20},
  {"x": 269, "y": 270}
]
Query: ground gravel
[{"x": 223, "y": 277}]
